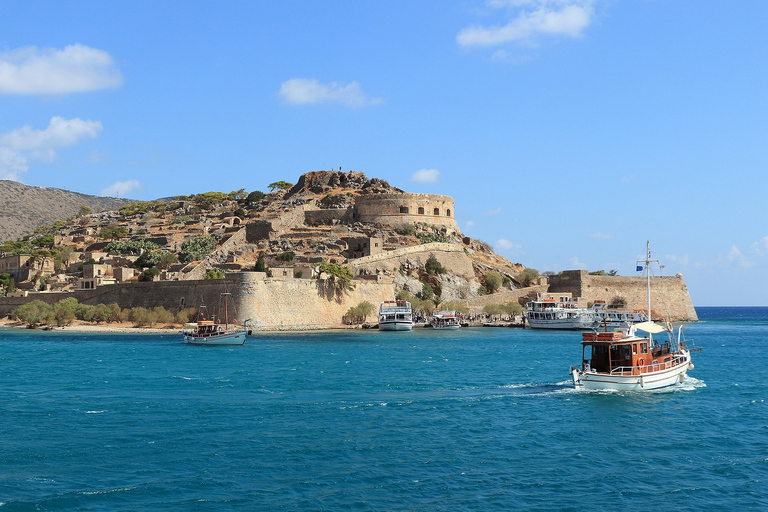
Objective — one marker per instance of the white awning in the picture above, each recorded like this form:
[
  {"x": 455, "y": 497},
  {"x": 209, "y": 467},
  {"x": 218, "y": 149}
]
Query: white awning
[{"x": 651, "y": 327}]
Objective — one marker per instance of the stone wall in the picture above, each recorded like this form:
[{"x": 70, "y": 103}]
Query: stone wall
[
  {"x": 270, "y": 304},
  {"x": 328, "y": 216},
  {"x": 397, "y": 209},
  {"x": 451, "y": 256},
  {"x": 476, "y": 304},
  {"x": 670, "y": 299}
]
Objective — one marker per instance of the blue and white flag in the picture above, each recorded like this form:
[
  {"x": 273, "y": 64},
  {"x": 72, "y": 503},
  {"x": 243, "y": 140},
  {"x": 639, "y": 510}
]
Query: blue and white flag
[{"x": 639, "y": 268}]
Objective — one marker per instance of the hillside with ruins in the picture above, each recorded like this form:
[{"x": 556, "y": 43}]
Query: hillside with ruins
[
  {"x": 342, "y": 218},
  {"x": 298, "y": 256}
]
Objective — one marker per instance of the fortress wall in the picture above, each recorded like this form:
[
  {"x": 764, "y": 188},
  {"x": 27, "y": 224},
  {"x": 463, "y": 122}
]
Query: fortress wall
[
  {"x": 670, "y": 299},
  {"x": 451, "y": 256},
  {"x": 302, "y": 303},
  {"x": 271, "y": 304},
  {"x": 389, "y": 209},
  {"x": 503, "y": 297}
]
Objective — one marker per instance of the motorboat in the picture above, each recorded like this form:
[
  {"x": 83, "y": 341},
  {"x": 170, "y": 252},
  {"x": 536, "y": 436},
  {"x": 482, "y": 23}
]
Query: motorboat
[
  {"x": 215, "y": 330},
  {"x": 395, "y": 315}
]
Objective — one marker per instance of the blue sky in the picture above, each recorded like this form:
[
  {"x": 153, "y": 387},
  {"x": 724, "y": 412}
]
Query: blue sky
[{"x": 569, "y": 132}]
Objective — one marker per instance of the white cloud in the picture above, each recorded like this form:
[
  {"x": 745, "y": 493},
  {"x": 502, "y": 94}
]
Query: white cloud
[
  {"x": 761, "y": 246},
  {"x": 494, "y": 211},
  {"x": 302, "y": 91},
  {"x": 121, "y": 188},
  {"x": 576, "y": 263},
  {"x": 425, "y": 176},
  {"x": 469, "y": 224},
  {"x": 76, "y": 68},
  {"x": 531, "y": 20},
  {"x": 19, "y": 147},
  {"x": 601, "y": 236},
  {"x": 735, "y": 255},
  {"x": 506, "y": 245}
]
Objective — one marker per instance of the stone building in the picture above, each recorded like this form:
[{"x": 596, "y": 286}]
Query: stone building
[
  {"x": 404, "y": 208},
  {"x": 23, "y": 267},
  {"x": 361, "y": 246}
]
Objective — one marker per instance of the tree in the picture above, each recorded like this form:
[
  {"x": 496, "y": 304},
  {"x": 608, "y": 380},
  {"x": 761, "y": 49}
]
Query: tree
[
  {"x": 238, "y": 195},
  {"x": 254, "y": 197},
  {"x": 279, "y": 185},
  {"x": 338, "y": 273},
  {"x": 64, "y": 311},
  {"x": 492, "y": 281},
  {"x": 285, "y": 257},
  {"x": 528, "y": 276},
  {"x": 427, "y": 293},
  {"x": 166, "y": 259},
  {"x": 113, "y": 231},
  {"x": 433, "y": 266},
  {"x": 260, "y": 265},
  {"x": 84, "y": 210},
  {"x": 34, "y": 313},
  {"x": 149, "y": 274},
  {"x": 215, "y": 273}
]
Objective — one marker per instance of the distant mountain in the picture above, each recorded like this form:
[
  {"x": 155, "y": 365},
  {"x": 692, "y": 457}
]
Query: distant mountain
[{"x": 24, "y": 209}]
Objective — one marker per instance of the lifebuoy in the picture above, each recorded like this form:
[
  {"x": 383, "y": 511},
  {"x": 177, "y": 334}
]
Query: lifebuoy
[{"x": 640, "y": 362}]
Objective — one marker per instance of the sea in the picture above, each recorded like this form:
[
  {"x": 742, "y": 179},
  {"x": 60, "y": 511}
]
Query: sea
[{"x": 476, "y": 419}]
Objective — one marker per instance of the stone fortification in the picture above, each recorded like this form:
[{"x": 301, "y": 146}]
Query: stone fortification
[
  {"x": 670, "y": 299},
  {"x": 451, "y": 256},
  {"x": 270, "y": 304},
  {"x": 402, "y": 208},
  {"x": 519, "y": 295}
]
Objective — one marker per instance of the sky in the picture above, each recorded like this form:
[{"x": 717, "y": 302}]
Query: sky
[{"x": 569, "y": 132}]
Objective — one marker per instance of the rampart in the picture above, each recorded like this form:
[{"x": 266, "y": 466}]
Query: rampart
[
  {"x": 670, "y": 299},
  {"x": 451, "y": 256},
  {"x": 404, "y": 208},
  {"x": 270, "y": 304}
]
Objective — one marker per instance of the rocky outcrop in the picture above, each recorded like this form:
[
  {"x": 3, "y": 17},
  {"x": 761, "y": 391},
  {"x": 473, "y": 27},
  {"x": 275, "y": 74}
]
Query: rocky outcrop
[{"x": 325, "y": 182}]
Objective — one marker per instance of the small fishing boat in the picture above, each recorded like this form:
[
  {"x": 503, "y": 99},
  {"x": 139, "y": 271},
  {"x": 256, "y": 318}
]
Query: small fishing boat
[
  {"x": 211, "y": 331},
  {"x": 622, "y": 360},
  {"x": 445, "y": 320},
  {"x": 395, "y": 315}
]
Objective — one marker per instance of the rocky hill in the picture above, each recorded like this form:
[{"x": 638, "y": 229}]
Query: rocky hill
[
  {"x": 24, "y": 209},
  {"x": 317, "y": 220}
]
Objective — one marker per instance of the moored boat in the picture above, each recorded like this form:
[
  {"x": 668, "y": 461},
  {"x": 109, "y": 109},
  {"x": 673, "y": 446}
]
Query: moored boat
[
  {"x": 395, "y": 315},
  {"x": 547, "y": 313},
  {"x": 211, "y": 331},
  {"x": 445, "y": 320},
  {"x": 615, "y": 316},
  {"x": 623, "y": 361}
]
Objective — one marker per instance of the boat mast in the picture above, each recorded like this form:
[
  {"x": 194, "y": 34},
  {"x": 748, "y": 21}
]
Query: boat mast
[{"x": 647, "y": 269}]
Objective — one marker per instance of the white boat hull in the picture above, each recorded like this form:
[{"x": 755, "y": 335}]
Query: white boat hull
[
  {"x": 447, "y": 327},
  {"x": 395, "y": 326},
  {"x": 661, "y": 378},
  {"x": 230, "y": 338},
  {"x": 564, "y": 324}
]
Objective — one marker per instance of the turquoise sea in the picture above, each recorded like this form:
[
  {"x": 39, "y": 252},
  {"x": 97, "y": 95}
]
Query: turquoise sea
[{"x": 479, "y": 419}]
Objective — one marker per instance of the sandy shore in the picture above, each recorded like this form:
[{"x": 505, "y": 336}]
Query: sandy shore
[{"x": 105, "y": 328}]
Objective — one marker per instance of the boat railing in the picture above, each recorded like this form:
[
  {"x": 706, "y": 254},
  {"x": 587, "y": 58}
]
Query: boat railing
[{"x": 655, "y": 366}]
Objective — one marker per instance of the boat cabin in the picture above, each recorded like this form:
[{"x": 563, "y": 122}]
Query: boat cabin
[{"x": 610, "y": 352}]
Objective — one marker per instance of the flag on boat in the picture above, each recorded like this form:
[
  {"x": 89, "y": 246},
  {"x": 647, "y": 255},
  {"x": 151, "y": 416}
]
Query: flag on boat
[{"x": 639, "y": 268}]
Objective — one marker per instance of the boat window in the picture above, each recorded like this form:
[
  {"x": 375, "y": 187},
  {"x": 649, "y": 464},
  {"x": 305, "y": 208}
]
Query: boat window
[
  {"x": 644, "y": 348},
  {"x": 634, "y": 349}
]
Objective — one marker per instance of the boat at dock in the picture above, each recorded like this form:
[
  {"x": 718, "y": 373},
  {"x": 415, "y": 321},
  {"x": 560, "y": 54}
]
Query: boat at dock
[
  {"x": 547, "y": 313},
  {"x": 395, "y": 315},
  {"x": 211, "y": 330},
  {"x": 614, "y": 316},
  {"x": 622, "y": 360},
  {"x": 445, "y": 320}
]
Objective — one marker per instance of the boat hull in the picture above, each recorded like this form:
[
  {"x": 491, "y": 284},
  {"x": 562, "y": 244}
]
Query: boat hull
[
  {"x": 230, "y": 338},
  {"x": 395, "y": 326},
  {"x": 640, "y": 381}
]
